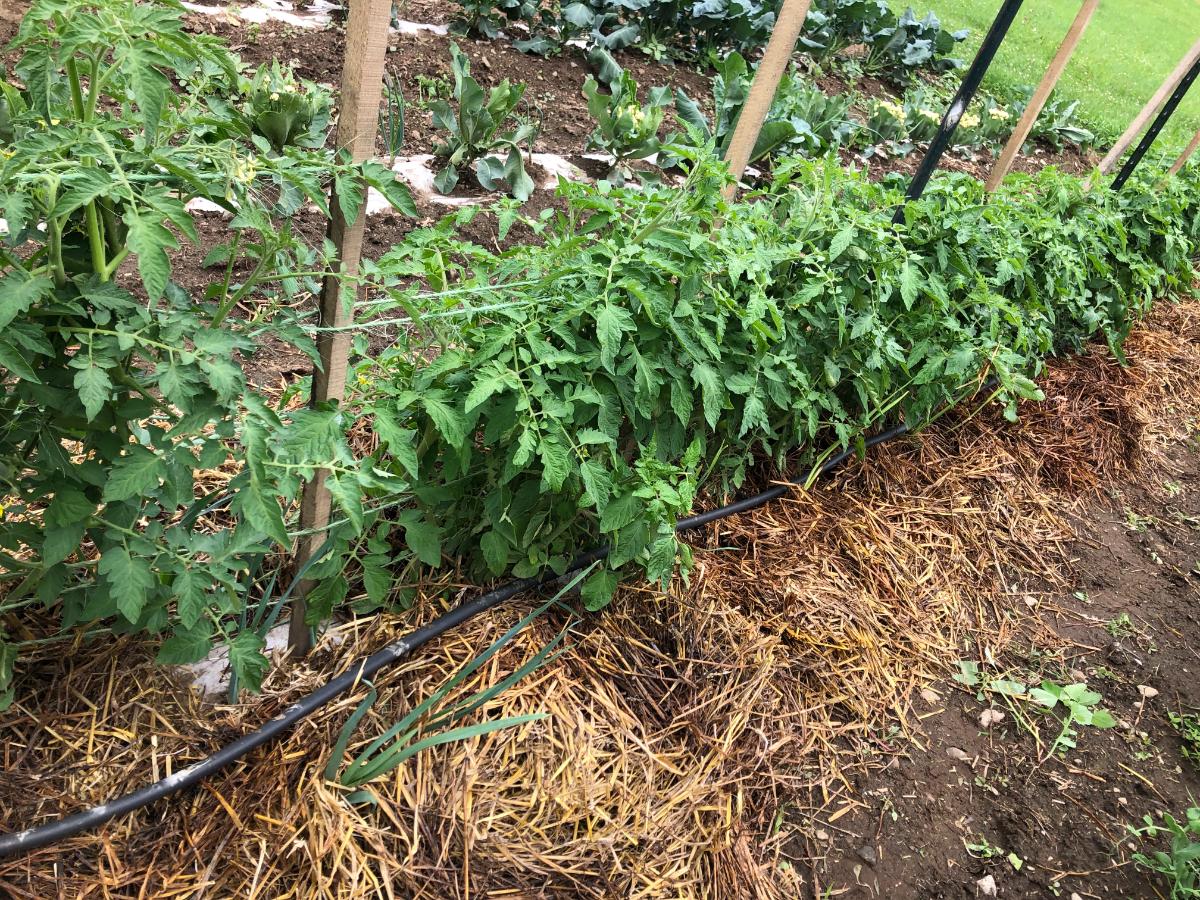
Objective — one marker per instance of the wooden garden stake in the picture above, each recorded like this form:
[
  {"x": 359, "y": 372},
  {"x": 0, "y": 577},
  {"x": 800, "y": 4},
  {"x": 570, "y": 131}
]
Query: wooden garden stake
[
  {"x": 1185, "y": 155},
  {"x": 762, "y": 90},
  {"x": 1042, "y": 94},
  {"x": 1152, "y": 106},
  {"x": 358, "y": 121}
]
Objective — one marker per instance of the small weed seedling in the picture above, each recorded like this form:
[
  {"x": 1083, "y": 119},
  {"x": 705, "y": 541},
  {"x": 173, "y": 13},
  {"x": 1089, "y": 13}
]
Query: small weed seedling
[
  {"x": 1180, "y": 864},
  {"x": 432, "y": 87},
  {"x": 983, "y": 849},
  {"x": 1137, "y": 522},
  {"x": 1188, "y": 726},
  {"x": 1121, "y": 627},
  {"x": 1073, "y": 705}
]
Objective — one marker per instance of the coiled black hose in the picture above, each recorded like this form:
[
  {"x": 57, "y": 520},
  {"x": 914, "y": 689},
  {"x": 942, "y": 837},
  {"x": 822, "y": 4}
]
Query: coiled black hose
[{"x": 53, "y": 832}]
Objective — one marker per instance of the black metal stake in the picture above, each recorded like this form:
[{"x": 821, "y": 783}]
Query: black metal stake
[
  {"x": 962, "y": 99},
  {"x": 1157, "y": 126}
]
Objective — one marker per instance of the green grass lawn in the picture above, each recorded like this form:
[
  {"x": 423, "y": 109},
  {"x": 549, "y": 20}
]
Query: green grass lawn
[{"x": 1128, "y": 49}]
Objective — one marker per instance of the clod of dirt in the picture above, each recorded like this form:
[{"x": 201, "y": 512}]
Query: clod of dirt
[
  {"x": 990, "y": 717},
  {"x": 868, "y": 855},
  {"x": 933, "y": 698},
  {"x": 960, "y": 755}
]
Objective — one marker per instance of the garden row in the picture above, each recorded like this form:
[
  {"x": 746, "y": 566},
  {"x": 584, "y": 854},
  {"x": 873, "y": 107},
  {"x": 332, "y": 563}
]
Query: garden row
[
  {"x": 653, "y": 343},
  {"x": 487, "y": 133}
]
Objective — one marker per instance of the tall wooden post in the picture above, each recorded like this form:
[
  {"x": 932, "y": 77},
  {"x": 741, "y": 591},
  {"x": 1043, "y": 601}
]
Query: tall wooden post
[
  {"x": 1185, "y": 155},
  {"x": 1152, "y": 106},
  {"x": 1042, "y": 94},
  {"x": 358, "y": 121},
  {"x": 762, "y": 89}
]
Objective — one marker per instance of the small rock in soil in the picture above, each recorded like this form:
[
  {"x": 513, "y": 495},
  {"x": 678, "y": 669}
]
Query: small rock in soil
[
  {"x": 990, "y": 717},
  {"x": 987, "y": 886},
  {"x": 867, "y": 854}
]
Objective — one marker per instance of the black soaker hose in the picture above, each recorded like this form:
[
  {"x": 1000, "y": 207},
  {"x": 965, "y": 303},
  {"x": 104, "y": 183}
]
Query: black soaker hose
[{"x": 53, "y": 832}]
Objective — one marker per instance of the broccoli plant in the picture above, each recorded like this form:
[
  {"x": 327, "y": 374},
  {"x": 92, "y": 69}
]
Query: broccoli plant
[
  {"x": 802, "y": 119},
  {"x": 286, "y": 111},
  {"x": 486, "y": 18},
  {"x": 625, "y": 129},
  {"x": 480, "y": 130},
  {"x": 897, "y": 46}
]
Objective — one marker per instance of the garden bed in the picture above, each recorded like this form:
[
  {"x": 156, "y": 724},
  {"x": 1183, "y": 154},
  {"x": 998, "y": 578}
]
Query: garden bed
[
  {"x": 765, "y": 732},
  {"x": 778, "y": 721}
]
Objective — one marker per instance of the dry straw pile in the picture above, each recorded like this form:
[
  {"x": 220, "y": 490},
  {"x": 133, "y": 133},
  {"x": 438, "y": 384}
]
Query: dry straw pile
[{"x": 692, "y": 737}]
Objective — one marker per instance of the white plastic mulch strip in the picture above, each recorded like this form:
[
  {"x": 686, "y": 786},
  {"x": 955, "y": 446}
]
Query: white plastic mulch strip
[
  {"x": 210, "y": 676},
  {"x": 417, "y": 172},
  {"x": 260, "y": 11},
  {"x": 556, "y": 166},
  {"x": 403, "y": 26},
  {"x": 318, "y": 15}
]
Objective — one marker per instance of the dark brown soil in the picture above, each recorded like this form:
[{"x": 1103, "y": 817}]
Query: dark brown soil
[{"x": 932, "y": 822}]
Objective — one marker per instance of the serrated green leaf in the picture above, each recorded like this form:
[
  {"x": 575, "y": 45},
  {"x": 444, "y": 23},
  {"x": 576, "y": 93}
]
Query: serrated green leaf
[
  {"x": 129, "y": 580},
  {"x": 424, "y": 539},
  {"x": 377, "y": 578},
  {"x": 486, "y": 385},
  {"x": 191, "y": 601},
  {"x": 137, "y": 473},
  {"x": 347, "y": 494},
  {"x": 81, "y": 187},
  {"x": 150, "y": 87},
  {"x": 95, "y": 389},
  {"x": 448, "y": 420},
  {"x": 150, "y": 240},
  {"x": 712, "y": 392},
  {"x": 186, "y": 645},
  {"x": 247, "y": 660},
  {"x": 69, "y": 506},
  {"x": 597, "y": 592},
  {"x": 621, "y": 512},
  {"x": 556, "y": 463},
  {"x": 608, "y": 333},
  {"x": 495, "y": 551},
  {"x": 60, "y": 541},
  {"x": 19, "y": 291},
  {"x": 841, "y": 241},
  {"x": 909, "y": 287},
  {"x": 261, "y": 510}
]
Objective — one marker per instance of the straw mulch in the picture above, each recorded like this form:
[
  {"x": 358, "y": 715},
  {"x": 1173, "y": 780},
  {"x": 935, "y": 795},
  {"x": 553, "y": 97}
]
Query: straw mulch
[{"x": 695, "y": 740}]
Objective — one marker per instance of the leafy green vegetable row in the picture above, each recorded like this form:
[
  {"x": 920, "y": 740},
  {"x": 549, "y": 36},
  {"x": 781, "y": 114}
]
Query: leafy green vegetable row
[{"x": 657, "y": 341}]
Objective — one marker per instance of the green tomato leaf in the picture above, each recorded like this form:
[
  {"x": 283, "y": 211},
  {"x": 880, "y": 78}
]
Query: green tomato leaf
[
  {"x": 597, "y": 592},
  {"x": 129, "y": 581},
  {"x": 247, "y": 660},
  {"x": 137, "y": 473}
]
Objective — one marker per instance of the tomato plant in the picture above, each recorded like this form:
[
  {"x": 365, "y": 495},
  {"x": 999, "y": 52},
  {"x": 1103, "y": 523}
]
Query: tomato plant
[
  {"x": 122, "y": 388},
  {"x": 638, "y": 354}
]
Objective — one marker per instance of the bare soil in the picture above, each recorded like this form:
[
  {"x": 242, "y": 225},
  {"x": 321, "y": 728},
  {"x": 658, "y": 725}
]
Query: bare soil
[{"x": 945, "y": 811}]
